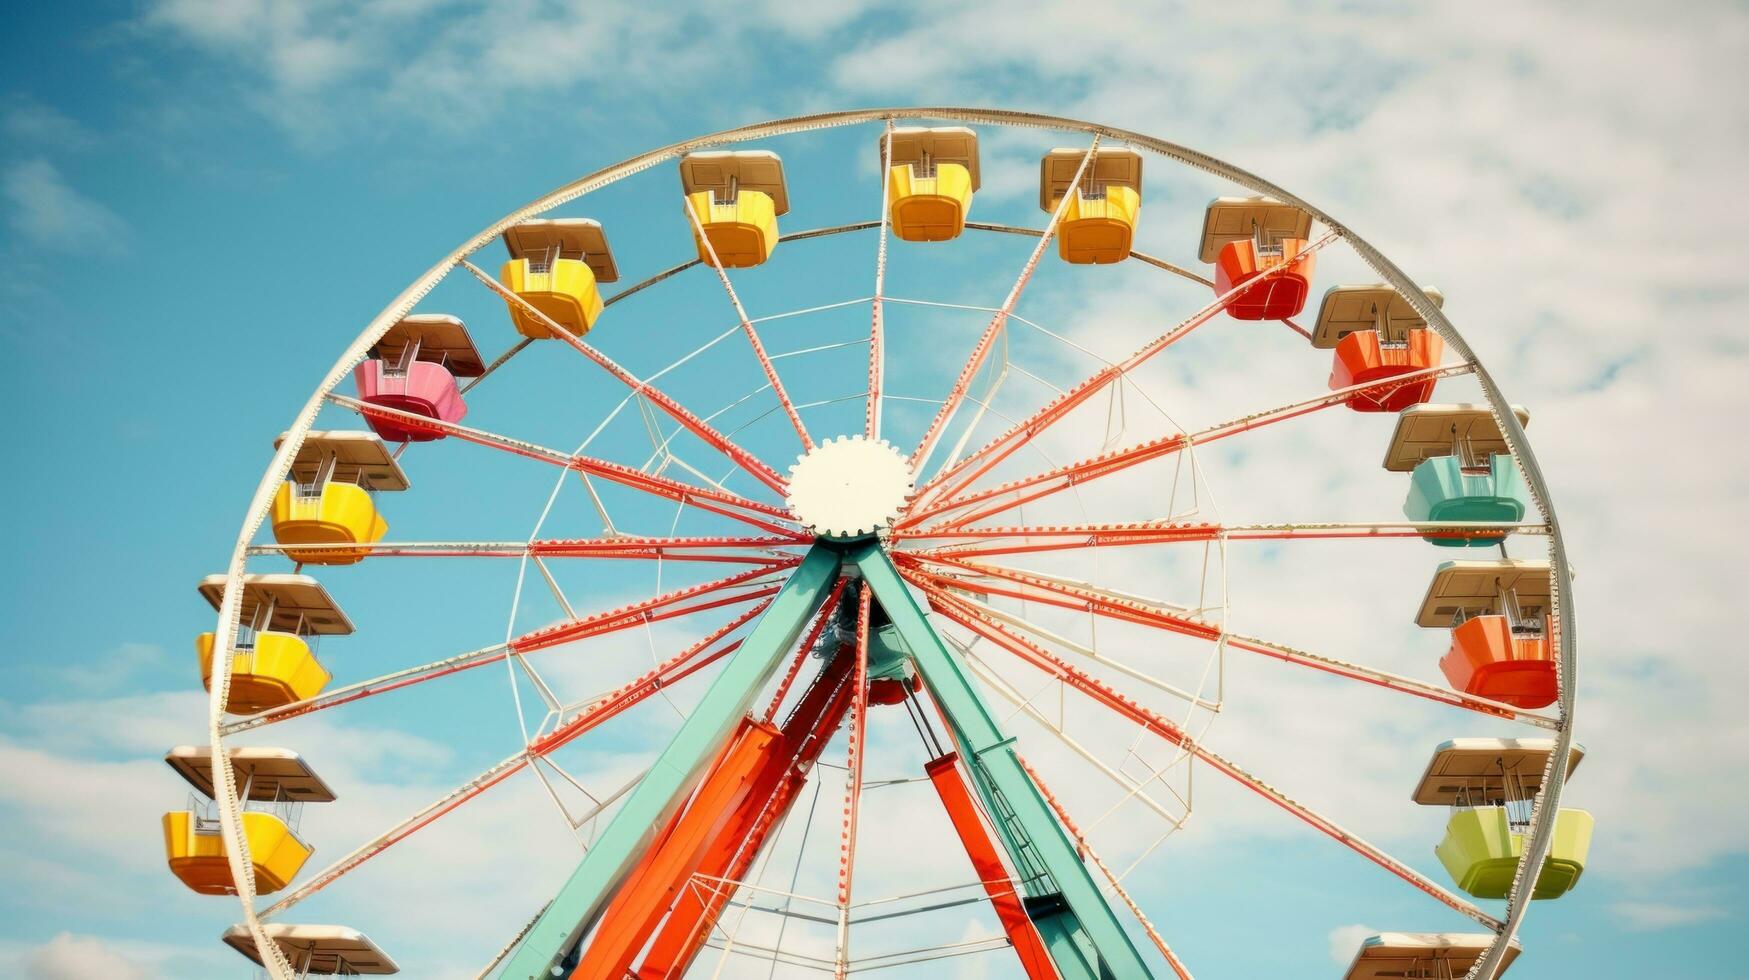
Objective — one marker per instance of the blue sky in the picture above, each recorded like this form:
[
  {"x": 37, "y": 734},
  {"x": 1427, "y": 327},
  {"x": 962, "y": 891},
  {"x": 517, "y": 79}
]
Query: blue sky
[{"x": 202, "y": 202}]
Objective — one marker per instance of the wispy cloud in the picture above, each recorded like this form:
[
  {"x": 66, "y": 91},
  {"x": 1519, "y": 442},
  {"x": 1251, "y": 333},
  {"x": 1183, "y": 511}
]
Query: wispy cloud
[
  {"x": 1651, "y": 916},
  {"x": 70, "y": 957},
  {"x": 45, "y": 210},
  {"x": 27, "y": 122}
]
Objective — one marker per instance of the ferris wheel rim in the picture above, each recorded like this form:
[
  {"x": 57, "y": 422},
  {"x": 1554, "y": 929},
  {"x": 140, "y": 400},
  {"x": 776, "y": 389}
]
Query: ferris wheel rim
[{"x": 1540, "y": 836}]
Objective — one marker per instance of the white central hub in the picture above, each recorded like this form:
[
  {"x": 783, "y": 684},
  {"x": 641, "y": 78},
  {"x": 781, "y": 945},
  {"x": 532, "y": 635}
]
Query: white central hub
[{"x": 849, "y": 486}]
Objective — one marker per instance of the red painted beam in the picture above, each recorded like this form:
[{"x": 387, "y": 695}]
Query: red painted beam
[
  {"x": 951, "y": 787},
  {"x": 632, "y": 916},
  {"x": 805, "y": 734}
]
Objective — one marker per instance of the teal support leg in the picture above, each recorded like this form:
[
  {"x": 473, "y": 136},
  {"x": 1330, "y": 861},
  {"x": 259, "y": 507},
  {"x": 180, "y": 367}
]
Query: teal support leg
[
  {"x": 1074, "y": 911},
  {"x": 677, "y": 771}
]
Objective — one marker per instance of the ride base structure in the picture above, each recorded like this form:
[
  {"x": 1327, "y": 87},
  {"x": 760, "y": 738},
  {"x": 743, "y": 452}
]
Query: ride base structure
[{"x": 1063, "y": 905}]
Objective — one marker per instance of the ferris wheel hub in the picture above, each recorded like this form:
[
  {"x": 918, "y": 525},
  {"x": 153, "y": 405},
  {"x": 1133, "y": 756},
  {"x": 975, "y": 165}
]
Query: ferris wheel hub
[{"x": 849, "y": 487}]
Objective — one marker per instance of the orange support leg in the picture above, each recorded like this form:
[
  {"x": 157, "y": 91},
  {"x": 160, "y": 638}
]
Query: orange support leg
[
  {"x": 805, "y": 734},
  {"x": 632, "y": 916},
  {"x": 951, "y": 787}
]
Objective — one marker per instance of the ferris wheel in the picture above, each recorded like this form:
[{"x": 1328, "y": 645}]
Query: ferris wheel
[{"x": 935, "y": 590}]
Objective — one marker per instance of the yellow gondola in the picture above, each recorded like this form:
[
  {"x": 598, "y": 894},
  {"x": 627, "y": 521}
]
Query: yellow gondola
[
  {"x": 735, "y": 197},
  {"x": 274, "y": 662},
  {"x": 556, "y": 266},
  {"x": 327, "y": 501},
  {"x": 933, "y": 174},
  {"x": 1100, "y": 221},
  {"x": 274, "y": 784}
]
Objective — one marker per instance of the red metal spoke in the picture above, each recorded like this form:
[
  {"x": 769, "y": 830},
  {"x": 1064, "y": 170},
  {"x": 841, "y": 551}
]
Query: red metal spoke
[
  {"x": 1092, "y": 468},
  {"x": 877, "y": 353},
  {"x": 743, "y": 835},
  {"x": 853, "y": 778},
  {"x": 689, "y": 549},
  {"x": 705, "y": 498},
  {"x": 669, "y": 605},
  {"x": 647, "y": 610},
  {"x": 1087, "y": 851},
  {"x": 963, "y": 383},
  {"x": 1163, "y": 728},
  {"x": 669, "y": 672},
  {"x": 770, "y": 369},
  {"x": 754, "y": 466},
  {"x": 1070, "y": 537},
  {"x": 1054, "y": 592},
  {"x": 1059, "y": 537},
  {"x": 827, "y": 610},
  {"x": 999, "y": 448},
  {"x": 1049, "y": 592},
  {"x": 663, "y": 675}
]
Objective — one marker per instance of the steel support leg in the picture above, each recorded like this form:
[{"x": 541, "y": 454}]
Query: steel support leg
[
  {"x": 1072, "y": 911},
  {"x": 677, "y": 771}
]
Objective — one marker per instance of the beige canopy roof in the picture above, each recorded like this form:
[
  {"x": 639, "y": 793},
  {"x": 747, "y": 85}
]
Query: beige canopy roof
[
  {"x": 1475, "y": 770},
  {"x": 1477, "y": 588},
  {"x": 297, "y": 600},
  {"x": 272, "y": 774},
  {"x": 1114, "y": 166},
  {"x": 1405, "y": 955},
  {"x": 1347, "y": 309},
  {"x": 941, "y": 144},
  {"x": 1230, "y": 219},
  {"x": 359, "y": 457},
  {"x": 574, "y": 238},
  {"x": 441, "y": 337},
  {"x": 1426, "y": 431},
  {"x": 324, "y": 950},
  {"x": 751, "y": 170}
]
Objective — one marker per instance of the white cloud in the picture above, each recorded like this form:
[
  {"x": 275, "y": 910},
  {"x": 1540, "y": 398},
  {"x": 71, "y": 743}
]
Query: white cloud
[
  {"x": 31, "y": 123},
  {"x": 1652, "y": 916},
  {"x": 70, "y": 957},
  {"x": 1537, "y": 183},
  {"x": 45, "y": 210}
]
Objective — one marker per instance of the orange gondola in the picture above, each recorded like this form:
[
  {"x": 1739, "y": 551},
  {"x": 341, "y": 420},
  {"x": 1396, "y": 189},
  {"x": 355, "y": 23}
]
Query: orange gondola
[
  {"x": 1499, "y": 647},
  {"x": 1378, "y": 335},
  {"x": 1261, "y": 240}
]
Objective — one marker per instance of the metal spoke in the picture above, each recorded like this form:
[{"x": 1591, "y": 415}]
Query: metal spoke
[
  {"x": 1105, "y": 464},
  {"x": 1006, "y": 691},
  {"x": 877, "y": 343},
  {"x": 1033, "y": 588},
  {"x": 663, "y": 607},
  {"x": 1117, "y": 887},
  {"x": 755, "y": 467},
  {"x": 1036, "y": 656},
  {"x": 765, "y": 364},
  {"x": 715, "y": 500},
  {"x": 998, "y": 449},
  {"x": 853, "y": 779},
  {"x": 981, "y": 350},
  {"x": 806, "y": 649},
  {"x": 1070, "y": 537},
  {"x": 662, "y": 676},
  {"x": 693, "y": 549}
]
